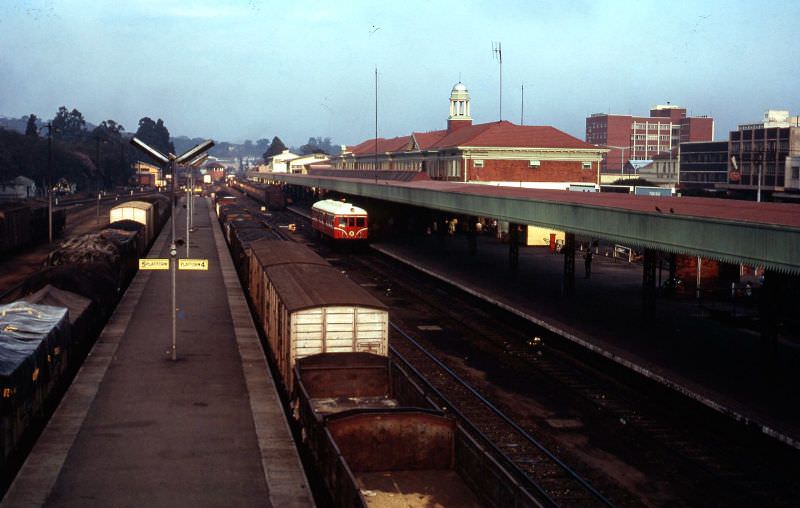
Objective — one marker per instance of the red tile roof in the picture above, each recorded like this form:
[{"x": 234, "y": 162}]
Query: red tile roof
[
  {"x": 502, "y": 134},
  {"x": 426, "y": 140},
  {"x": 507, "y": 134},
  {"x": 367, "y": 147}
]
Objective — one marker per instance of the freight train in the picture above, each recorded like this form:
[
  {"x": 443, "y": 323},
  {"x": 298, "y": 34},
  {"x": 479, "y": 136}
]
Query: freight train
[
  {"x": 271, "y": 196},
  {"x": 55, "y": 316},
  {"x": 23, "y": 224},
  {"x": 374, "y": 435}
]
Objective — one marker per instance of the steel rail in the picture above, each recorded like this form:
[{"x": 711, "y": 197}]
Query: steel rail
[{"x": 572, "y": 474}]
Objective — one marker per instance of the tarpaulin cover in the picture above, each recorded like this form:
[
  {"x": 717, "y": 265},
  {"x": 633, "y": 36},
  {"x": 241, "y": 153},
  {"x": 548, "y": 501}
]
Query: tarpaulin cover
[
  {"x": 30, "y": 321},
  {"x": 95, "y": 281},
  {"x": 54, "y": 297},
  {"x": 83, "y": 316},
  {"x": 28, "y": 332}
]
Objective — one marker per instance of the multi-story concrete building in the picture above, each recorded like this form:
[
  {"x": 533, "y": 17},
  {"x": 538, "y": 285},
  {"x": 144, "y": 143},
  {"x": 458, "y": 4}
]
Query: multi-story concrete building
[
  {"x": 703, "y": 164},
  {"x": 760, "y": 156},
  {"x": 498, "y": 153},
  {"x": 643, "y": 138}
]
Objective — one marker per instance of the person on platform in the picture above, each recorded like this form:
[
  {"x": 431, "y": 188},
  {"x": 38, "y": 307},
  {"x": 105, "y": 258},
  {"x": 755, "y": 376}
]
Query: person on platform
[{"x": 587, "y": 263}]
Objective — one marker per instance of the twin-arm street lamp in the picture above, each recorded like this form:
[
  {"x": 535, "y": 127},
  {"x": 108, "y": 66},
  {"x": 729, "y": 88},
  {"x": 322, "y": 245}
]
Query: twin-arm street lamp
[
  {"x": 194, "y": 164},
  {"x": 172, "y": 161}
]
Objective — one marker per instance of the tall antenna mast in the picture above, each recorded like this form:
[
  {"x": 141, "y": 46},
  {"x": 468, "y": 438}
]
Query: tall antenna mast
[
  {"x": 497, "y": 51},
  {"x": 376, "y": 124},
  {"x": 522, "y": 106}
]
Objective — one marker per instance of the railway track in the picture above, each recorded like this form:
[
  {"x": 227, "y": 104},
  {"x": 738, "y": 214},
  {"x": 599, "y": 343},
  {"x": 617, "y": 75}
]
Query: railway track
[
  {"x": 546, "y": 478},
  {"x": 637, "y": 443},
  {"x": 82, "y": 218}
]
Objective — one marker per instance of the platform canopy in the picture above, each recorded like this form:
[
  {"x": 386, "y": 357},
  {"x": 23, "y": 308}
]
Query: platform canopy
[{"x": 755, "y": 234}]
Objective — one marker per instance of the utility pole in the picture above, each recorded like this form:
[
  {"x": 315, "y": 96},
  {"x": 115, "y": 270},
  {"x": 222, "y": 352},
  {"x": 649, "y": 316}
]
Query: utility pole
[{"x": 48, "y": 190}]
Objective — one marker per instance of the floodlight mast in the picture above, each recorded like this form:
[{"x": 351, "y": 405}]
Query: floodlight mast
[
  {"x": 152, "y": 152},
  {"x": 172, "y": 161},
  {"x": 194, "y": 152},
  {"x": 195, "y": 163}
]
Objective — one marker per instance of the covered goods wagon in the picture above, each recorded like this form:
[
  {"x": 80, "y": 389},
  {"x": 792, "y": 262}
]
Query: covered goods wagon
[
  {"x": 306, "y": 307},
  {"x": 137, "y": 211}
]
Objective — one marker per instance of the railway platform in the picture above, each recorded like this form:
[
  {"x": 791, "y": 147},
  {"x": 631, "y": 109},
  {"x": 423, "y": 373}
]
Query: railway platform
[
  {"x": 137, "y": 428},
  {"x": 715, "y": 363}
]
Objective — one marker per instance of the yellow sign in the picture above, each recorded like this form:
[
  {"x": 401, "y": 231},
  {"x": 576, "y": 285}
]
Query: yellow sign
[
  {"x": 192, "y": 264},
  {"x": 153, "y": 264}
]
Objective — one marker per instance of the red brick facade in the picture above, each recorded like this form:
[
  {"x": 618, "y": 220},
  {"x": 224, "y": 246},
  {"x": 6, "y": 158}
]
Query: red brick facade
[
  {"x": 498, "y": 152},
  {"x": 520, "y": 170},
  {"x": 643, "y": 138}
]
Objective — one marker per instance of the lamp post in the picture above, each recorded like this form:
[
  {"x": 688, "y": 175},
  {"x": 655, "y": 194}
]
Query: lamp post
[
  {"x": 173, "y": 161},
  {"x": 46, "y": 180},
  {"x": 99, "y": 176},
  {"x": 621, "y": 157},
  {"x": 190, "y": 196}
]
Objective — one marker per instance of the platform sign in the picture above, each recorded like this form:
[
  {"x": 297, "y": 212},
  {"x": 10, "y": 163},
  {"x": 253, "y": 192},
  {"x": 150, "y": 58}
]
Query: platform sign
[
  {"x": 153, "y": 264},
  {"x": 192, "y": 264}
]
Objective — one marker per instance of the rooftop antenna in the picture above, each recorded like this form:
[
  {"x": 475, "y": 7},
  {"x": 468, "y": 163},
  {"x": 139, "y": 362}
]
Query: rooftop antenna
[
  {"x": 376, "y": 124},
  {"x": 497, "y": 52}
]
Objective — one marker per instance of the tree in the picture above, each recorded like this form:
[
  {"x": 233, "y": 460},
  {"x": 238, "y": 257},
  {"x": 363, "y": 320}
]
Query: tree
[
  {"x": 262, "y": 145},
  {"x": 110, "y": 148},
  {"x": 32, "y": 129},
  {"x": 275, "y": 148},
  {"x": 155, "y": 134},
  {"x": 108, "y": 130},
  {"x": 317, "y": 145},
  {"x": 69, "y": 125}
]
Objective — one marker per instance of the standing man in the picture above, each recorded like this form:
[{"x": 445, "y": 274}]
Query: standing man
[{"x": 587, "y": 263}]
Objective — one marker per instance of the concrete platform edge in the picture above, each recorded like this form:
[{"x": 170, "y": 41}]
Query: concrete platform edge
[
  {"x": 38, "y": 475},
  {"x": 292, "y": 489},
  {"x": 714, "y": 405}
]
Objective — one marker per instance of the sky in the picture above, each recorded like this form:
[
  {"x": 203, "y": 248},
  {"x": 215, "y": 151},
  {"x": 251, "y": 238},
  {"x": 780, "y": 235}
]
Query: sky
[{"x": 250, "y": 69}]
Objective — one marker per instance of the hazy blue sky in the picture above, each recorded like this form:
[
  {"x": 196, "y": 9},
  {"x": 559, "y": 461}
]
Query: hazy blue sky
[{"x": 247, "y": 69}]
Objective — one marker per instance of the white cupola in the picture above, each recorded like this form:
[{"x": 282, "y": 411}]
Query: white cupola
[
  {"x": 459, "y": 103},
  {"x": 459, "y": 108}
]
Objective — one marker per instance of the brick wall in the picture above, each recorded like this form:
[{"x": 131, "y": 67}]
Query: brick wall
[{"x": 519, "y": 171}]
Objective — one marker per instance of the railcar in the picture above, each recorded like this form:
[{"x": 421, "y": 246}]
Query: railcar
[
  {"x": 339, "y": 220},
  {"x": 23, "y": 225},
  {"x": 271, "y": 196},
  {"x": 377, "y": 440},
  {"x": 305, "y": 306},
  {"x": 138, "y": 211}
]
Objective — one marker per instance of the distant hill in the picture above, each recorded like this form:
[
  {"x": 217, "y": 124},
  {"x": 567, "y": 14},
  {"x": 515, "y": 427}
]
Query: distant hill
[
  {"x": 223, "y": 149},
  {"x": 14, "y": 124},
  {"x": 19, "y": 124}
]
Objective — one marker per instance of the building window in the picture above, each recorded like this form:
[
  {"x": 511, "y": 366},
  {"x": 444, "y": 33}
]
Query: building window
[
  {"x": 534, "y": 164},
  {"x": 453, "y": 169},
  {"x": 795, "y": 172},
  {"x": 587, "y": 165},
  {"x": 478, "y": 163}
]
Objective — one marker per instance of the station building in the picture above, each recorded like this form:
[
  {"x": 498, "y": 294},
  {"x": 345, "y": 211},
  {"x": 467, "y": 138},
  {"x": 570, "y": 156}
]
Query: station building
[
  {"x": 495, "y": 153},
  {"x": 643, "y": 138}
]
